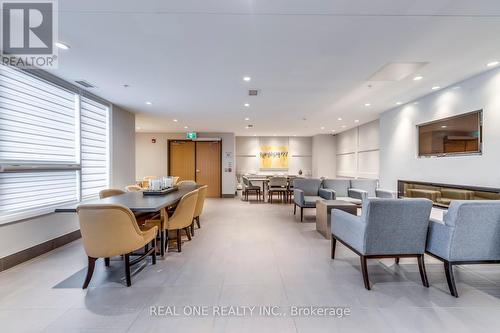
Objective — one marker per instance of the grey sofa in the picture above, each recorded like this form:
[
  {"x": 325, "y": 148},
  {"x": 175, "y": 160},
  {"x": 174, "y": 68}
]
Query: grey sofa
[
  {"x": 306, "y": 192},
  {"x": 469, "y": 234},
  {"x": 388, "y": 228},
  {"x": 356, "y": 190}
]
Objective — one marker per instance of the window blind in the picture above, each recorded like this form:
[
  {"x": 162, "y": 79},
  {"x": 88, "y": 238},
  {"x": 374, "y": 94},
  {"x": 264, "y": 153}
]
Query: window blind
[{"x": 94, "y": 147}]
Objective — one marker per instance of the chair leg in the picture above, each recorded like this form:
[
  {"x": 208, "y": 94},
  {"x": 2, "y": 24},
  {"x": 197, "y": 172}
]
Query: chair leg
[
  {"x": 192, "y": 227},
  {"x": 188, "y": 233},
  {"x": 294, "y": 209},
  {"x": 153, "y": 254},
  {"x": 90, "y": 272},
  {"x": 179, "y": 241},
  {"x": 423, "y": 273},
  {"x": 334, "y": 243},
  {"x": 163, "y": 243},
  {"x": 364, "y": 271},
  {"x": 106, "y": 262},
  {"x": 127, "y": 270},
  {"x": 396, "y": 261},
  {"x": 448, "y": 269},
  {"x": 301, "y": 214},
  {"x": 198, "y": 222}
]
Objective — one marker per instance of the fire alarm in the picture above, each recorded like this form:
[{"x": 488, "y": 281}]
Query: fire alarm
[{"x": 153, "y": 140}]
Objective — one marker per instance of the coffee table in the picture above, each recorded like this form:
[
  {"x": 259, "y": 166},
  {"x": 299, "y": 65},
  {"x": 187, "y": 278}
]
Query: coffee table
[{"x": 323, "y": 214}]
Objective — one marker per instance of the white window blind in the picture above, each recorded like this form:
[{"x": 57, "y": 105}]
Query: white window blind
[
  {"x": 54, "y": 146},
  {"x": 95, "y": 152}
]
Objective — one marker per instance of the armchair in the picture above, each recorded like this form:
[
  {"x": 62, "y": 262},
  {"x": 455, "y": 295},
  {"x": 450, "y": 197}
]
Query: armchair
[
  {"x": 469, "y": 234},
  {"x": 387, "y": 228},
  {"x": 356, "y": 190},
  {"x": 306, "y": 192}
]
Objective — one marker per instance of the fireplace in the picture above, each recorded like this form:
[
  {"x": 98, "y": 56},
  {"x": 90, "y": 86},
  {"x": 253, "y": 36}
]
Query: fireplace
[{"x": 442, "y": 194}]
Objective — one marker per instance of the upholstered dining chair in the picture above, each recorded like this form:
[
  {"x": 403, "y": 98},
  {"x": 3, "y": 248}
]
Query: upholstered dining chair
[
  {"x": 181, "y": 219},
  {"x": 110, "y": 192},
  {"x": 248, "y": 188},
  {"x": 112, "y": 230},
  {"x": 279, "y": 185},
  {"x": 387, "y": 228},
  {"x": 186, "y": 182},
  {"x": 133, "y": 188},
  {"x": 202, "y": 194}
]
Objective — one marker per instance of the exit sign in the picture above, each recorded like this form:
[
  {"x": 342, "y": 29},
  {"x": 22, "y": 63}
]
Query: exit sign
[{"x": 191, "y": 135}]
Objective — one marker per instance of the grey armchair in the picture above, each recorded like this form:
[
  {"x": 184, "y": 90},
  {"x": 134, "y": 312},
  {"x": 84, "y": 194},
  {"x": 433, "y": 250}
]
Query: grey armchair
[
  {"x": 306, "y": 192},
  {"x": 470, "y": 234},
  {"x": 388, "y": 228},
  {"x": 356, "y": 190}
]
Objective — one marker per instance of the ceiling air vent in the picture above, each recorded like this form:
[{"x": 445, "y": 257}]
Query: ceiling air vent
[
  {"x": 249, "y": 126},
  {"x": 253, "y": 92},
  {"x": 84, "y": 83}
]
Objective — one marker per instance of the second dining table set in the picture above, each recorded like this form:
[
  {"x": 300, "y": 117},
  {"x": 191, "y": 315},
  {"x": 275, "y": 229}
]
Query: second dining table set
[
  {"x": 272, "y": 186},
  {"x": 136, "y": 222}
]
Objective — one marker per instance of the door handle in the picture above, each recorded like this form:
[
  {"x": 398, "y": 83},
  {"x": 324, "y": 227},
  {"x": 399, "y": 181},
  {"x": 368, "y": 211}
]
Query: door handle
[{"x": 197, "y": 170}]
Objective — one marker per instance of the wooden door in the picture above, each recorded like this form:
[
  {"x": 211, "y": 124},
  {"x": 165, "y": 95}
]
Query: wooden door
[
  {"x": 208, "y": 166},
  {"x": 181, "y": 159}
]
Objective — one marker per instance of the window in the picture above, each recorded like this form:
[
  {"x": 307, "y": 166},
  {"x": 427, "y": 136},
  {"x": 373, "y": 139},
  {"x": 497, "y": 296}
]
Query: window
[{"x": 54, "y": 146}]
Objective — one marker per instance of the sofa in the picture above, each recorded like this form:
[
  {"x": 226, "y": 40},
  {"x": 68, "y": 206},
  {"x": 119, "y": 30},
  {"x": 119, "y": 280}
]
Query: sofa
[
  {"x": 355, "y": 190},
  {"x": 469, "y": 234},
  {"x": 306, "y": 192}
]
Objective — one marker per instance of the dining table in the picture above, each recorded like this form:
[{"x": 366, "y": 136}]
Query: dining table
[{"x": 138, "y": 202}]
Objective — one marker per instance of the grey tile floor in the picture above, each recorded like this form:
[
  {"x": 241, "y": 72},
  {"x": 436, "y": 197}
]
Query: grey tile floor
[{"x": 246, "y": 254}]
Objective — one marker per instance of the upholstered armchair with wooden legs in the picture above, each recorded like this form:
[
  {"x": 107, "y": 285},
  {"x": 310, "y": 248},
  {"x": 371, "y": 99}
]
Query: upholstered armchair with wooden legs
[
  {"x": 180, "y": 220},
  {"x": 202, "y": 194},
  {"x": 110, "y": 192},
  {"x": 111, "y": 230},
  {"x": 133, "y": 188}
]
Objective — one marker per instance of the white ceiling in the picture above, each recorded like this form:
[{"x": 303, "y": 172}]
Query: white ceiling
[{"x": 309, "y": 58}]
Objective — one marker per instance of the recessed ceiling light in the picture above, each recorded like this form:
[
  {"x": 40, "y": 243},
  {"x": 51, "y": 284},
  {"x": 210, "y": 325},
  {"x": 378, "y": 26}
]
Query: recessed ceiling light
[
  {"x": 333, "y": 130},
  {"x": 255, "y": 135},
  {"x": 436, "y": 87},
  {"x": 322, "y": 127},
  {"x": 247, "y": 119},
  {"x": 247, "y": 105},
  {"x": 274, "y": 134},
  {"x": 367, "y": 104},
  {"x": 62, "y": 46},
  {"x": 137, "y": 128},
  {"x": 399, "y": 103},
  {"x": 415, "y": 103},
  {"x": 339, "y": 119},
  {"x": 295, "y": 135},
  {"x": 175, "y": 120},
  {"x": 444, "y": 126},
  {"x": 356, "y": 121},
  {"x": 343, "y": 126},
  {"x": 418, "y": 78},
  {"x": 149, "y": 103},
  {"x": 247, "y": 78},
  {"x": 493, "y": 64},
  {"x": 185, "y": 127}
]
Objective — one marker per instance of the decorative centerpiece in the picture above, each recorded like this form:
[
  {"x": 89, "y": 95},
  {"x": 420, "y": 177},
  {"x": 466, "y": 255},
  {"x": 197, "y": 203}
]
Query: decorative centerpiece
[{"x": 160, "y": 186}]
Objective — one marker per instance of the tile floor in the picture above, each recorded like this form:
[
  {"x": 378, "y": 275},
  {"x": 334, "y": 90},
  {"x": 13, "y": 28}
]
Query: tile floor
[{"x": 246, "y": 254}]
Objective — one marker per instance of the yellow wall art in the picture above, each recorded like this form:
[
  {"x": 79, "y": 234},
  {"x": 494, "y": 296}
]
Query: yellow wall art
[{"x": 273, "y": 157}]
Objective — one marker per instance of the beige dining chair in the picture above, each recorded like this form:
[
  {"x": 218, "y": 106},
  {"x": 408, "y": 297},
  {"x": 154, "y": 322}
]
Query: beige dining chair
[
  {"x": 112, "y": 230},
  {"x": 186, "y": 182},
  {"x": 180, "y": 220},
  {"x": 133, "y": 188},
  {"x": 202, "y": 194},
  {"x": 110, "y": 192}
]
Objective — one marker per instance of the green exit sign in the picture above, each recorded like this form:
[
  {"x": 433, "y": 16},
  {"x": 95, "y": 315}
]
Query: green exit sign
[{"x": 191, "y": 135}]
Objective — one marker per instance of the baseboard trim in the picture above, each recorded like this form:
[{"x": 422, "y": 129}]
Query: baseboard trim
[
  {"x": 37, "y": 250},
  {"x": 227, "y": 196}
]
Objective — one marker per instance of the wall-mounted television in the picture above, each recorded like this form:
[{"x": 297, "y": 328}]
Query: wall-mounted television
[{"x": 457, "y": 135}]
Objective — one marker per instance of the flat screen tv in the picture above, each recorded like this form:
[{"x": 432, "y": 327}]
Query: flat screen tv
[{"x": 457, "y": 135}]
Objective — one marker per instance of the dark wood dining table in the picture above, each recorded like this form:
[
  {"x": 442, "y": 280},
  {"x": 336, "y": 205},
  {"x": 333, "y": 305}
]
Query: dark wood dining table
[{"x": 137, "y": 202}]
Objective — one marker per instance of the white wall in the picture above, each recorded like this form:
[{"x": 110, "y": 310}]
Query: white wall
[
  {"x": 324, "y": 156},
  {"x": 357, "y": 154},
  {"x": 20, "y": 235},
  {"x": 123, "y": 151},
  {"x": 248, "y": 150},
  {"x": 152, "y": 158},
  {"x": 398, "y": 136}
]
